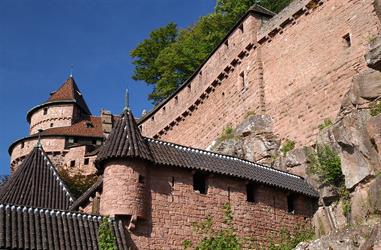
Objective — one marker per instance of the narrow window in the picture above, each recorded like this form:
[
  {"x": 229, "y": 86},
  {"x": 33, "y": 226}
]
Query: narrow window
[
  {"x": 250, "y": 189},
  {"x": 290, "y": 204},
  {"x": 189, "y": 87},
  {"x": 72, "y": 163},
  {"x": 199, "y": 183},
  {"x": 176, "y": 100},
  {"x": 173, "y": 181},
  {"x": 51, "y": 125},
  {"x": 241, "y": 27},
  {"x": 22, "y": 145},
  {"x": 86, "y": 161},
  {"x": 242, "y": 80},
  {"x": 348, "y": 40},
  {"x": 226, "y": 43},
  {"x": 45, "y": 111},
  {"x": 152, "y": 118},
  {"x": 228, "y": 193},
  {"x": 141, "y": 179},
  {"x": 200, "y": 73},
  {"x": 140, "y": 128},
  {"x": 163, "y": 110}
]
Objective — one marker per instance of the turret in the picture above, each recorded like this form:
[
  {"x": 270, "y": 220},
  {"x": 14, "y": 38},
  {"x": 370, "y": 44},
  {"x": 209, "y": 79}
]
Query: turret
[
  {"x": 124, "y": 160},
  {"x": 64, "y": 107}
]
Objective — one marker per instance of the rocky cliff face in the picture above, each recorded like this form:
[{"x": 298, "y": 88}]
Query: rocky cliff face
[{"x": 349, "y": 211}]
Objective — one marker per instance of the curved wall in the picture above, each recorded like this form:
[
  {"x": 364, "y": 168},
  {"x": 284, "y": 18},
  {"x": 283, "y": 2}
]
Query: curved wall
[{"x": 57, "y": 115}]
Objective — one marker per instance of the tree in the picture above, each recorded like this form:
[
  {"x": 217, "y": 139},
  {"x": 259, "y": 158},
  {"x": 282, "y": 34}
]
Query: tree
[
  {"x": 169, "y": 56},
  {"x": 106, "y": 238}
]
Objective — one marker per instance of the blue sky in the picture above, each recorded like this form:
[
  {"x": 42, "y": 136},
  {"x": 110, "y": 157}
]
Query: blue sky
[{"x": 40, "y": 39}]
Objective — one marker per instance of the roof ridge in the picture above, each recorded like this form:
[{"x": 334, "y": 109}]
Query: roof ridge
[{"x": 229, "y": 157}]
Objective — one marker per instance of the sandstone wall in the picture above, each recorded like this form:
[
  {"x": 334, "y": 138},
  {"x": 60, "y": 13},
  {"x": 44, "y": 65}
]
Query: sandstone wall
[
  {"x": 174, "y": 207},
  {"x": 123, "y": 192},
  {"x": 57, "y": 116},
  {"x": 298, "y": 71}
]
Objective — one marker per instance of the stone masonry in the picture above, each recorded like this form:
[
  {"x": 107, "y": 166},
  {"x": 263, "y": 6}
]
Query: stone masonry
[{"x": 295, "y": 67}]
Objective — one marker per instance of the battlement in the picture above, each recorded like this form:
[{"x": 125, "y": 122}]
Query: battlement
[{"x": 296, "y": 67}]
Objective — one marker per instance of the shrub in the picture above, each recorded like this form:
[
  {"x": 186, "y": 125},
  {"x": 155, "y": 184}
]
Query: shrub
[
  {"x": 375, "y": 108},
  {"x": 326, "y": 124},
  {"x": 106, "y": 238},
  {"x": 288, "y": 241},
  {"x": 287, "y": 146},
  {"x": 326, "y": 163},
  {"x": 212, "y": 239},
  {"x": 77, "y": 183},
  {"x": 227, "y": 133}
]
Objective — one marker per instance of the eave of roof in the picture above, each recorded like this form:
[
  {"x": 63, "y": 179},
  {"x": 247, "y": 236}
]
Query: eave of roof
[{"x": 255, "y": 9}]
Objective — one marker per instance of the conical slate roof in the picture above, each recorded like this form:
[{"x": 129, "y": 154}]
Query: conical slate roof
[
  {"x": 36, "y": 183},
  {"x": 69, "y": 91},
  {"x": 125, "y": 141}
]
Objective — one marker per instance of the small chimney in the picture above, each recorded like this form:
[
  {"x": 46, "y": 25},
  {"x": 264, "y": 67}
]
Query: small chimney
[{"x": 107, "y": 120}]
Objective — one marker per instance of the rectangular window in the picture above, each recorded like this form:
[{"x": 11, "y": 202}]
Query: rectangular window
[
  {"x": 141, "y": 179},
  {"x": 241, "y": 27},
  {"x": 22, "y": 145},
  {"x": 250, "y": 192},
  {"x": 199, "y": 183},
  {"x": 51, "y": 125},
  {"x": 86, "y": 161},
  {"x": 45, "y": 111},
  {"x": 348, "y": 39},
  {"x": 242, "y": 80},
  {"x": 290, "y": 204},
  {"x": 226, "y": 43},
  {"x": 72, "y": 163}
]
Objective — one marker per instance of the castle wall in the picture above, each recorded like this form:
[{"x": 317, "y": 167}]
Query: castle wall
[
  {"x": 56, "y": 149},
  {"x": 297, "y": 72},
  {"x": 59, "y": 115},
  {"x": 175, "y": 207}
]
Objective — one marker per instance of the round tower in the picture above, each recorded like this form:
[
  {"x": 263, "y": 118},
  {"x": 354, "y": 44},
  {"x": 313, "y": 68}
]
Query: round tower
[
  {"x": 125, "y": 159},
  {"x": 64, "y": 107}
]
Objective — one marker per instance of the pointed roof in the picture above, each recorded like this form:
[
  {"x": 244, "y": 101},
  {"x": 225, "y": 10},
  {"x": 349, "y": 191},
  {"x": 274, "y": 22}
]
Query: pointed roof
[
  {"x": 36, "y": 183},
  {"x": 70, "y": 91},
  {"x": 67, "y": 93},
  {"x": 125, "y": 141}
]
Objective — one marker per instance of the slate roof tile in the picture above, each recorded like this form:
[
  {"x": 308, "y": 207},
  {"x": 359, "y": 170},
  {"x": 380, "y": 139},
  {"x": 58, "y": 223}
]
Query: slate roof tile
[
  {"x": 36, "y": 182},
  {"x": 23, "y": 227}
]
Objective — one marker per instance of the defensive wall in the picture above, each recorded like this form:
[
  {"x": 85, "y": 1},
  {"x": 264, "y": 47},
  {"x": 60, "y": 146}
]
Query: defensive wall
[{"x": 296, "y": 67}]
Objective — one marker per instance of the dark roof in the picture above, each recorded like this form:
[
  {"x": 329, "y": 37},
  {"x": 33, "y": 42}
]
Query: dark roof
[
  {"x": 35, "y": 228},
  {"x": 97, "y": 186},
  {"x": 124, "y": 141},
  {"x": 78, "y": 129},
  {"x": 170, "y": 154},
  {"x": 67, "y": 93},
  {"x": 255, "y": 9},
  {"x": 37, "y": 183}
]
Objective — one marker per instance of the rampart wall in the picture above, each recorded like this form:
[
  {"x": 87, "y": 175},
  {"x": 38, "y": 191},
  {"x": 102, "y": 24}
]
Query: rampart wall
[{"x": 295, "y": 67}]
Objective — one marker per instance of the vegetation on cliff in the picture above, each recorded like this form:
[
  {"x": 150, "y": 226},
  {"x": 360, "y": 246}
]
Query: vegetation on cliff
[
  {"x": 77, "y": 183},
  {"x": 170, "y": 55}
]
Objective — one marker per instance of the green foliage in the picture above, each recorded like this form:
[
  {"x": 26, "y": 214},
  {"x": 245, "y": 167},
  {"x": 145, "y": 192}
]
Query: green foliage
[
  {"x": 77, "y": 183},
  {"x": 222, "y": 239},
  {"x": 326, "y": 163},
  {"x": 346, "y": 199},
  {"x": 169, "y": 56},
  {"x": 288, "y": 241},
  {"x": 106, "y": 238},
  {"x": 326, "y": 124},
  {"x": 287, "y": 146},
  {"x": 227, "y": 133},
  {"x": 375, "y": 109}
]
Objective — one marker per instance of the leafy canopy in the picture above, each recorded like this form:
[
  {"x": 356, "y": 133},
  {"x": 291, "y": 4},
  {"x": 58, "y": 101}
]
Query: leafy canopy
[{"x": 170, "y": 55}]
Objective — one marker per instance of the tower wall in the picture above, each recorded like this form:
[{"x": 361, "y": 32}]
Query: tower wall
[
  {"x": 123, "y": 190},
  {"x": 58, "y": 115}
]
